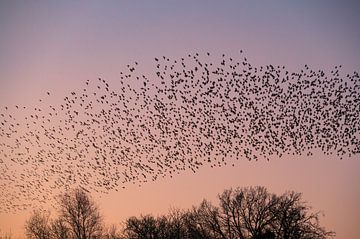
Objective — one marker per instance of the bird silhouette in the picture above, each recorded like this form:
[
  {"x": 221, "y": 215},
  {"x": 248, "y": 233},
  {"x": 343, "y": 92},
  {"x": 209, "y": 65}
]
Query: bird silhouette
[{"x": 191, "y": 112}]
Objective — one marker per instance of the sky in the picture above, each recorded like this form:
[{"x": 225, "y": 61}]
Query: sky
[{"x": 56, "y": 46}]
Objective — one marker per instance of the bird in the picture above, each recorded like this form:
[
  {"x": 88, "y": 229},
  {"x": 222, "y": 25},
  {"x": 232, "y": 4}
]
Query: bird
[{"x": 187, "y": 113}]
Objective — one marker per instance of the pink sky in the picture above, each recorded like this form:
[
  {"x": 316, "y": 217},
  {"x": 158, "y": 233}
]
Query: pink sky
[{"x": 56, "y": 47}]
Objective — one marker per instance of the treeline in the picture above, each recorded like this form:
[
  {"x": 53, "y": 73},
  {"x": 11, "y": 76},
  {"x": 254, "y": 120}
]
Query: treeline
[{"x": 241, "y": 213}]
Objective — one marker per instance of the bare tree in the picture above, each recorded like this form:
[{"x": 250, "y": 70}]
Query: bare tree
[
  {"x": 38, "y": 226},
  {"x": 242, "y": 213},
  {"x": 171, "y": 226},
  {"x": 144, "y": 227},
  {"x": 80, "y": 214},
  {"x": 59, "y": 229},
  {"x": 194, "y": 225},
  {"x": 294, "y": 219},
  {"x": 176, "y": 226},
  {"x": 112, "y": 232},
  {"x": 209, "y": 221},
  {"x": 253, "y": 213}
]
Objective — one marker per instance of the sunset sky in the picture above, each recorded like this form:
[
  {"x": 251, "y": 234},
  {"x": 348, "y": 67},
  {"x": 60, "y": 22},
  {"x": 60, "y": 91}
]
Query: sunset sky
[{"x": 56, "y": 46}]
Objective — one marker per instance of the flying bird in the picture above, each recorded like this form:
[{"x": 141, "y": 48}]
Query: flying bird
[{"x": 189, "y": 113}]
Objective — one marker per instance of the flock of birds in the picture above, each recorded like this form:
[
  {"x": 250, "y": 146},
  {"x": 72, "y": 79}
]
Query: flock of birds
[{"x": 191, "y": 113}]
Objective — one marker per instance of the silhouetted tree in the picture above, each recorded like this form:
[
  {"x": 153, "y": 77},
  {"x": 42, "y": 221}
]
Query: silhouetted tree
[
  {"x": 253, "y": 213},
  {"x": 174, "y": 224},
  {"x": 294, "y": 219},
  {"x": 242, "y": 213},
  {"x": 210, "y": 220},
  {"x": 59, "y": 229},
  {"x": 194, "y": 229},
  {"x": 80, "y": 214},
  {"x": 171, "y": 226},
  {"x": 112, "y": 232},
  {"x": 38, "y": 226},
  {"x": 144, "y": 227}
]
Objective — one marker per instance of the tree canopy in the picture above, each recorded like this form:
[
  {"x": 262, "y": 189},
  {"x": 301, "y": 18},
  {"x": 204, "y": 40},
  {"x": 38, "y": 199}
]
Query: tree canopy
[{"x": 241, "y": 213}]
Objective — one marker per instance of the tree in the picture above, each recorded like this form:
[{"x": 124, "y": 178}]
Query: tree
[
  {"x": 294, "y": 219},
  {"x": 112, "y": 232},
  {"x": 79, "y": 218},
  {"x": 176, "y": 226},
  {"x": 59, "y": 229},
  {"x": 171, "y": 226},
  {"x": 242, "y": 213},
  {"x": 253, "y": 213},
  {"x": 144, "y": 227},
  {"x": 207, "y": 219},
  {"x": 194, "y": 225},
  {"x": 80, "y": 214},
  {"x": 38, "y": 226},
  {"x": 5, "y": 235}
]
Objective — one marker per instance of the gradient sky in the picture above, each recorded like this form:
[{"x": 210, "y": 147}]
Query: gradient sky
[{"x": 56, "y": 46}]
